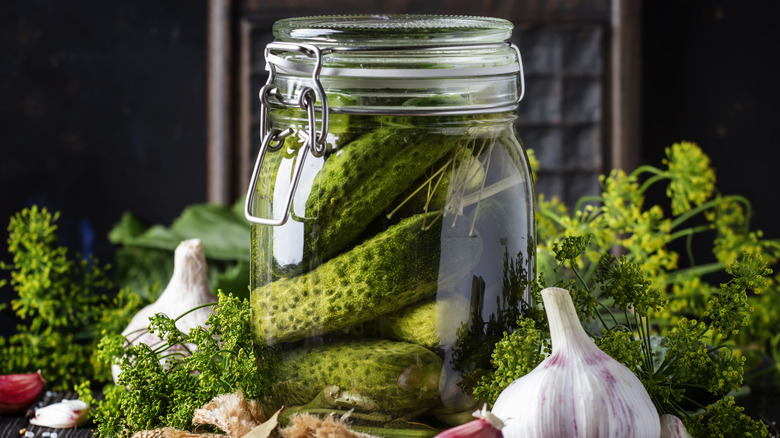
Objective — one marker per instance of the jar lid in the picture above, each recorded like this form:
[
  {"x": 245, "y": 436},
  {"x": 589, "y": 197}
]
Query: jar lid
[
  {"x": 389, "y": 62},
  {"x": 392, "y": 30}
]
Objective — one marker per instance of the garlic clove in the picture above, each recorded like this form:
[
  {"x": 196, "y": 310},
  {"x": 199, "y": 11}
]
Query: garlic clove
[
  {"x": 578, "y": 391},
  {"x": 187, "y": 289},
  {"x": 486, "y": 425},
  {"x": 19, "y": 391},
  {"x": 62, "y": 415},
  {"x": 673, "y": 427}
]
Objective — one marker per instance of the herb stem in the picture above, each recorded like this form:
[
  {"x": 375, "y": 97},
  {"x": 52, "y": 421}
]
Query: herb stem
[
  {"x": 712, "y": 203},
  {"x": 689, "y": 250},
  {"x": 691, "y": 231},
  {"x": 172, "y": 354},
  {"x": 698, "y": 271},
  {"x": 194, "y": 309},
  {"x": 579, "y": 277},
  {"x": 609, "y": 312},
  {"x": 693, "y": 212},
  {"x": 667, "y": 362},
  {"x": 646, "y": 168},
  {"x": 427, "y": 182},
  {"x": 650, "y": 181},
  {"x": 589, "y": 271},
  {"x": 549, "y": 215},
  {"x": 585, "y": 199}
]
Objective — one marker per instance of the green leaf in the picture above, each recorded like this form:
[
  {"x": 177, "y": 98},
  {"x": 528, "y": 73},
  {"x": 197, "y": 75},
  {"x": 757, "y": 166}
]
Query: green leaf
[
  {"x": 234, "y": 280},
  {"x": 223, "y": 235},
  {"x": 145, "y": 258},
  {"x": 128, "y": 228},
  {"x": 223, "y": 232},
  {"x": 144, "y": 270}
]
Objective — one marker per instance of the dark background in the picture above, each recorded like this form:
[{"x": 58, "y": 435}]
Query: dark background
[
  {"x": 102, "y": 110},
  {"x": 103, "y": 105},
  {"x": 710, "y": 75}
]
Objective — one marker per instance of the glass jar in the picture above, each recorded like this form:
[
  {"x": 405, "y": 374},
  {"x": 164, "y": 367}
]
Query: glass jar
[{"x": 392, "y": 214}]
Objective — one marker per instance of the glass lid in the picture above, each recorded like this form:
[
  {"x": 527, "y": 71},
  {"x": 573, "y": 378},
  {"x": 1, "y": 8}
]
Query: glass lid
[{"x": 392, "y": 30}]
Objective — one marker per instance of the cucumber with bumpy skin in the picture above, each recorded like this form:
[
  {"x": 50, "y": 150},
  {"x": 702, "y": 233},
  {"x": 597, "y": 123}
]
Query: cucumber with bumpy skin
[
  {"x": 357, "y": 184},
  {"x": 393, "y": 269},
  {"x": 369, "y": 375},
  {"x": 421, "y": 323}
]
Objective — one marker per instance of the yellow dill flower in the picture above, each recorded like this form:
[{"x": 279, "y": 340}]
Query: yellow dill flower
[{"x": 692, "y": 178}]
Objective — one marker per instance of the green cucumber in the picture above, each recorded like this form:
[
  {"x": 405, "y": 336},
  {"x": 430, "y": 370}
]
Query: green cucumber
[
  {"x": 375, "y": 375},
  {"x": 393, "y": 269},
  {"x": 361, "y": 180},
  {"x": 423, "y": 323}
]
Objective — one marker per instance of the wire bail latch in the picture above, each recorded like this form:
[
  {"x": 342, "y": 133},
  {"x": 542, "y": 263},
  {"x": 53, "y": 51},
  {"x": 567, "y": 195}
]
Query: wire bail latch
[{"x": 272, "y": 139}]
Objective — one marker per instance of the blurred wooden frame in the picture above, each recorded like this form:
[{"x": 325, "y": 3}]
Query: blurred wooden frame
[{"x": 230, "y": 45}]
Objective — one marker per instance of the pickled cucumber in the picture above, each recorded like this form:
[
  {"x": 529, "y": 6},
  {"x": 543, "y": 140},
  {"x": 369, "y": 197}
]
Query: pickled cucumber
[
  {"x": 383, "y": 376},
  {"x": 357, "y": 184},
  {"x": 393, "y": 269},
  {"x": 424, "y": 323}
]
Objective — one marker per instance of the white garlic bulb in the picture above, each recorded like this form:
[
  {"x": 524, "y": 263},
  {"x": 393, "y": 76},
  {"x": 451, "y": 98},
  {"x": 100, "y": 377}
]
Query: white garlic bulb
[
  {"x": 578, "y": 391},
  {"x": 187, "y": 289}
]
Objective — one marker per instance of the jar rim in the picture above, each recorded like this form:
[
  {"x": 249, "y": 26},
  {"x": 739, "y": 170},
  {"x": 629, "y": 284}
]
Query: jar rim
[
  {"x": 395, "y": 59},
  {"x": 393, "y": 30}
]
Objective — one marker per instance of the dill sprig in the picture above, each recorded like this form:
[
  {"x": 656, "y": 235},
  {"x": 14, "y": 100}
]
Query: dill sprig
[
  {"x": 686, "y": 338},
  {"x": 162, "y": 385},
  {"x": 62, "y": 304}
]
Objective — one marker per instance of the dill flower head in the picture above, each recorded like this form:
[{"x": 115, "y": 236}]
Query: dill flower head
[{"x": 692, "y": 177}]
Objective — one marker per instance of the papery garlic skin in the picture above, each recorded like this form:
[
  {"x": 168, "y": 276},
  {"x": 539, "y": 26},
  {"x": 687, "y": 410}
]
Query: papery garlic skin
[
  {"x": 486, "y": 425},
  {"x": 63, "y": 415},
  {"x": 578, "y": 391},
  {"x": 19, "y": 391},
  {"x": 673, "y": 427},
  {"x": 187, "y": 289}
]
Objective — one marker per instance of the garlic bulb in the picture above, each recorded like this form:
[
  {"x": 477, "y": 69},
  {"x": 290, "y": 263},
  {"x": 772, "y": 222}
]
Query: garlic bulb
[
  {"x": 187, "y": 289},
  {"x": 578, "y": 391},
  {"x": 673, "y": 427}
]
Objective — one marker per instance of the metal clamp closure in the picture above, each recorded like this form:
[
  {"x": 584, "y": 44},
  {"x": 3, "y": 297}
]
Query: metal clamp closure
[
  {"x": 310, "y": 51},
  {"x": 521, "y": 73},
  {"x": 273, "y": 139}
]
